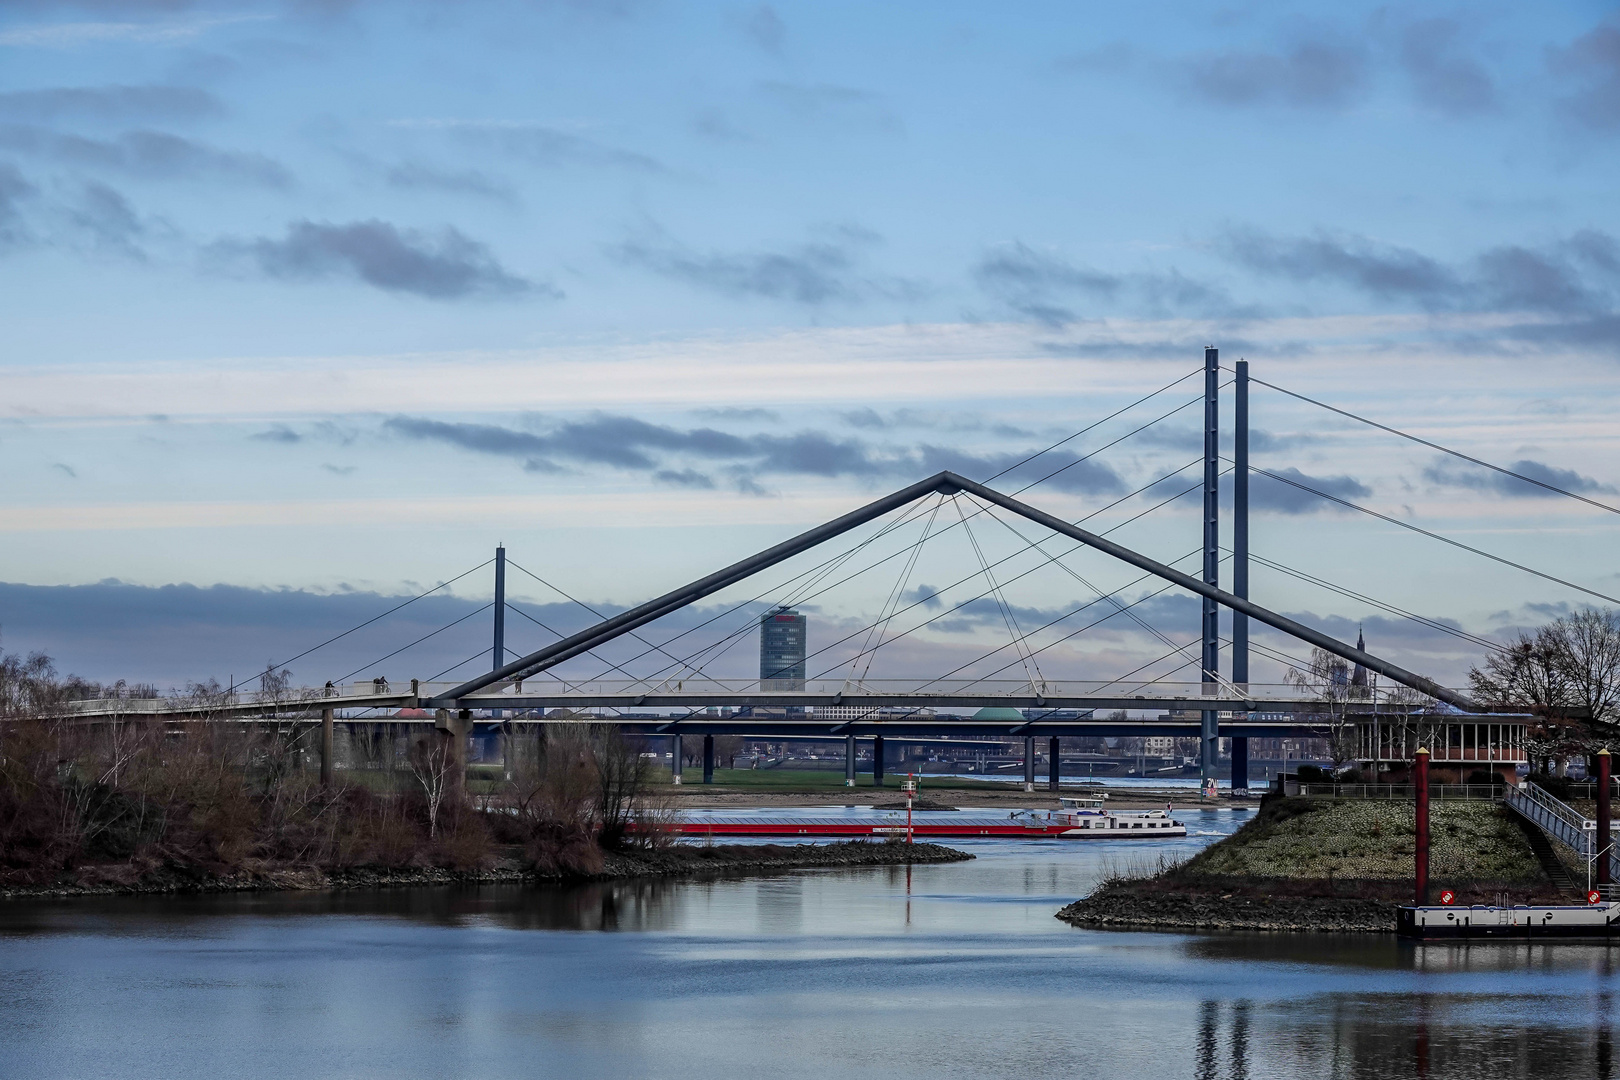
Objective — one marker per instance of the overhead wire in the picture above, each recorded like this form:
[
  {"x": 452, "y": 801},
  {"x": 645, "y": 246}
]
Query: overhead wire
[
  {"x": 368, "y": 622},
  {"x": 1433, "y": 535},
  {"x": 1437, "y": 446}
]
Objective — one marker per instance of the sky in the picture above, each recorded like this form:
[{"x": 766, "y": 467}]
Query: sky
[{"x": 310, "y": 305}]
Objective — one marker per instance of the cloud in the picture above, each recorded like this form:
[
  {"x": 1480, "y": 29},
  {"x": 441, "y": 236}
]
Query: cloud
[
  {"x": 830, "y": 102},
  {"x": 1266, "y": 493},
  {"x": 146, "y": 154},
  {"x": 740, "y": 415},
  {"x": 539, "y": 144},
  {"x": 1575, "y": 275},
  {"x": 339, "y": 470},
  {"x": 109, "y": 219},
  {"x": 442, "y": 265},
  {"x": 66, "y": 470},
  {"x": 67, "y": 35},
  {"x": 111, "y": 103},
  {"x": 765, "y": 28},
  {"x": 625, "y": 442},
  {"x": 14, "y": 189},
  {"x": 823, "y": 271},
  {"x": 1319, "y": 73},
  {"x": 278, "y": 433},
  {"x": 1593, "y": 61},
  {"x": 414, "y": 176},
  {"x": 1043, "y": 286},
  {"x": 1450, "y": 473},
  {"x": 1382, "y": 270},
  {"x": 1444, "y": 76}
]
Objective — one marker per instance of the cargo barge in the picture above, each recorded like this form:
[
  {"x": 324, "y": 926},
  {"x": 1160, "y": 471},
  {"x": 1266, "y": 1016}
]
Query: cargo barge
[
  {"x": 1446, "y": 922},
  {"x": 1076, "y": 819}
]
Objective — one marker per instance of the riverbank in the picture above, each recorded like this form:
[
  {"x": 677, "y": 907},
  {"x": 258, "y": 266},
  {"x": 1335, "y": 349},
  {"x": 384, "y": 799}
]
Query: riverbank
[
  {"x": 681, "y": 860},
  {"x": 1319, "y": 866}
]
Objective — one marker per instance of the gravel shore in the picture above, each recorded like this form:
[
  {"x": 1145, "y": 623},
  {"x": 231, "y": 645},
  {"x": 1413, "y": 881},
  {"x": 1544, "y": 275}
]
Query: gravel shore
[{"x": 682, "y": 860}]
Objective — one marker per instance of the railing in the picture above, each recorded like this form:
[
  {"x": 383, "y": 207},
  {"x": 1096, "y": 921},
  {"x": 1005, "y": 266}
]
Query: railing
[
  {"x": 1562, "y": 822},
  {"x": 1438, "y": 792}
]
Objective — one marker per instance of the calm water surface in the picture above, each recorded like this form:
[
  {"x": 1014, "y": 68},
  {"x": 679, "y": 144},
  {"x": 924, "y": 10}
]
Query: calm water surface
[{"x": 959, "y": 972}]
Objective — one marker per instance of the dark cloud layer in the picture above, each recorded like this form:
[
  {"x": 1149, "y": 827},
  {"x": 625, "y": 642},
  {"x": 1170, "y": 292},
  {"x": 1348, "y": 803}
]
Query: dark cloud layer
[
  {"x": 826, "y": 270},
  {"x": 1310, "y": 73},
  {"x": 1266, "y": 493},
  {"x": 1444, "y": 75},
  {"x": 1573, "y": 276},
  {"x": 146, "y": 154},
  {"x": 1450, "y": 473},
  {"x": 1592, "y": 61},
  {"x": 667, "y": 454},
  {"x": 147, "y": 102},
  {"x": 1048, "y": 289},
  {"x": 442, "y": 265}
]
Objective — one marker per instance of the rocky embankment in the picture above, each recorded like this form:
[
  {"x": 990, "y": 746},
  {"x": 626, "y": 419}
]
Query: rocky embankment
[
  {"x": 1307, "y": 865},
  {"x": 678, "y": 861},
  {"x": 1123, "y": 907}
]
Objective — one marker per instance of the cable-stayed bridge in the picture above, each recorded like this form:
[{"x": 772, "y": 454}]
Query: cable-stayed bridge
[{"x": 667, "y": 684}]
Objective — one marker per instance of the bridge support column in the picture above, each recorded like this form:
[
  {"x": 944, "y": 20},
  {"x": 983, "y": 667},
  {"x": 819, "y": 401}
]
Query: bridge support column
[
  {"x": 674, "y": 759},
  {"x": 1420, "y": 785},
  {"x": 708, "y": 759},
  {"x": 1029, "y": 763},
  {"x": 453, "y": 729},
  {"x": 1605, "y": 840},
  {"x": 1240, "y": 764},
  {"x": 1209, "y": 743},
  {"x": 877, "y": 761},
  {"x": 849, "y": 761},
  {"x": 326, "y": 748},
  {"x": 1054, "y": 763}
]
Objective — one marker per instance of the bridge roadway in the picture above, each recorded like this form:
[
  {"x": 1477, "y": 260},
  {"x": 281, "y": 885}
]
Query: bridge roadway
[{"x": 693, "y": 707}]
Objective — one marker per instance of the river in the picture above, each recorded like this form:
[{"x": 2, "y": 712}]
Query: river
[{"x": 949, "y": 971}]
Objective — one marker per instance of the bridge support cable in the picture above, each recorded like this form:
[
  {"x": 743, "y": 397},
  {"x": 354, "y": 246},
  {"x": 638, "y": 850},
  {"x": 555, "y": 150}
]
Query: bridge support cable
[
  {"x": 1254, "y": 611},
  {"x": 830, "y": 566},
  {"x": 880, "y": 628},
  {"x": 345, "y": 678},
  {"x": 1383, "y": 605},
  {"x": 1032, "y": 670},
  {"x": 1090, "y": 427},
  {"x": 1436, "y": 536},
  {"x": 1123, "y": 609},
  {"x": 1175, "y": 649},
  {"x": 589, "y": 608},
  {"x": 559, "y": 635},
  {"x": 944, "y": 483},
  {"x": 374, "y": 618},
  {"x": 1443, "y": 449},
  {"x": 1047, "y": 558},
  {"x": 748, "y": 626}
]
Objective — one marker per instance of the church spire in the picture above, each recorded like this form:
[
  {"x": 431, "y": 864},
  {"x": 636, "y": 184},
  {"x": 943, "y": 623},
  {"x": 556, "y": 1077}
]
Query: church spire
[{"x": 1359, "y": 676}]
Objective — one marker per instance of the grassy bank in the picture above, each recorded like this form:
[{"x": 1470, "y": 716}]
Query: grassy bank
[{"x": 1318, "y": 865}]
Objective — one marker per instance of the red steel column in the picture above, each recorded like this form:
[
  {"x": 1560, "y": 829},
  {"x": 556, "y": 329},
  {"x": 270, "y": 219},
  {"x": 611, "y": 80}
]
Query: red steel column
[
  {"x": 1603, "y": 837},
  {"x": 1420, "y": 783}
]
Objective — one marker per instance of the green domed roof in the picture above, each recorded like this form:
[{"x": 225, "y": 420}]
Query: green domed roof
[{"x": 994, "y": 713}]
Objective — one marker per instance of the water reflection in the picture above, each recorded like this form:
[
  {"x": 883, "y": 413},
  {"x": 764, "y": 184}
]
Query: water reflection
[{"x": 936, "y": 972}]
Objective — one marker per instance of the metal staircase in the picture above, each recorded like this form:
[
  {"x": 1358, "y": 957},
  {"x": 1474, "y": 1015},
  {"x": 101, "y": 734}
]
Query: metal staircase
[{"x": 1554, "y": 818}]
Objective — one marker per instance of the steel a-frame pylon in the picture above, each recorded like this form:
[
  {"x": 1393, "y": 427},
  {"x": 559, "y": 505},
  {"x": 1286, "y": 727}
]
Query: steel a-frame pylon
[{"x": 943, "y": 483}]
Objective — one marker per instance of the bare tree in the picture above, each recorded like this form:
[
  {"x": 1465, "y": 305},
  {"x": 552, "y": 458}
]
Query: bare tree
[
  {"x": 433, "y": 762},
  {"x": 1331, "y": 682},
  {"x": 621, "y": 782}
]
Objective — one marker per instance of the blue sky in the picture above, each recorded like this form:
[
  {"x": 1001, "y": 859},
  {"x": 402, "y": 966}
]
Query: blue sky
[{"x": 316, "y": 302}]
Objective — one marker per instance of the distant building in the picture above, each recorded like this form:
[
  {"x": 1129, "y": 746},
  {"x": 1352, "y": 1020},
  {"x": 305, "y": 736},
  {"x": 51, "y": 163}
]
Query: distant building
[{"x": 782, "y": 633}]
